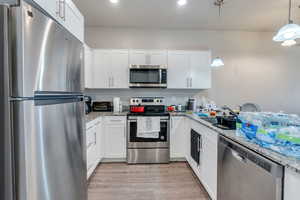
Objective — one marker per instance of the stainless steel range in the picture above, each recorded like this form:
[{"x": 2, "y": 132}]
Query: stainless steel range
[{"x": 143, "y": 148}]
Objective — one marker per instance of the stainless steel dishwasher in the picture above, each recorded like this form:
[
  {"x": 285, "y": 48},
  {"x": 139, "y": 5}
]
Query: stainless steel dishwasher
[{"x": 245, "y": 175}]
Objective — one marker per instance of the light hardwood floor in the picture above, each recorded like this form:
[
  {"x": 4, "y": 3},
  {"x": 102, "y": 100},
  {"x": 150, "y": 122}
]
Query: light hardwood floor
[{"x": 118, "y": 181}]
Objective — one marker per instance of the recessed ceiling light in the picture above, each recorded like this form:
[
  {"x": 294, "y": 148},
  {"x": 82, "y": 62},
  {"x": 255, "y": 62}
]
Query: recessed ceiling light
[
  {"x": 114, "y": 1},
  {"x": 181, "y": 2}
]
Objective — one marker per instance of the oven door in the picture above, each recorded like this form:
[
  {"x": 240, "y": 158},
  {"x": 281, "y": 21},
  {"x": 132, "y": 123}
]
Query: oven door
[
  {"x": 147, "y": 77},
  {"x": 136, "y": 142}
]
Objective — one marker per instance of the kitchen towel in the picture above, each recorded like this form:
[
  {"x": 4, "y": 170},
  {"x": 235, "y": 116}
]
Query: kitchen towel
[{"x": 148, "y": 127}]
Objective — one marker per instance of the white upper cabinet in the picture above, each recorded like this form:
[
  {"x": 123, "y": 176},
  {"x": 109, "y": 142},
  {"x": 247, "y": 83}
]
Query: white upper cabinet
[
  {"x": 67, "y": 14},
  {"x": 189, "y": 69},
  {"x": 119, "y": 69},
  {"x": 178, "y": 70},
  {"x": 88, "y": 64},
  {"x": 148, "y": 57},
  {"x": 100, "y": 72},
  {"x": 74, "y": 20},
  {"x": 51, "y": 6},
  {"x": 109, "y": 69},
  {"x": 200, "y": 69}
]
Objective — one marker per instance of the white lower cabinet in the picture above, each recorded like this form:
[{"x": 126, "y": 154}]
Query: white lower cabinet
[
  {"x": 115, "y": 137},
  {"x": 178, "y": 139},
  {"x": 94, "y": 145},
  {"x": 206, "y": 170},
  {"x": 291, "y": 185}
]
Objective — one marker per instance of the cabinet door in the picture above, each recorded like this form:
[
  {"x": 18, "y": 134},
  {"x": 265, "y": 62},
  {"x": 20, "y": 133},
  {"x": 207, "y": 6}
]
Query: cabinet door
[
  {"x": 177, "y": 137},
  {"x": 120, "y": 68},
  {"x": 99, "y": 138},
  {"x": 200, "y": 70},
  {"x": 91, "y": 149},
  {"x": 88, "y": 64},
  {"x": 158, "y": 57},
  {"x": 101, "y": 68},
  {"x": 208, "y": 167},
  {"x": 138, "y": 57},
  {"x": 178, "y": 70},
  {"x": 115, "y": 137},
  {"x": 291, "y": 184},
  {"x": 74, "y": 20},
  {"x": 50, "y": 6}
]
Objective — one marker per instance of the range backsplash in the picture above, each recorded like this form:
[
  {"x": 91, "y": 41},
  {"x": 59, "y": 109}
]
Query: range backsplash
[{"x": 172, "y": 96}]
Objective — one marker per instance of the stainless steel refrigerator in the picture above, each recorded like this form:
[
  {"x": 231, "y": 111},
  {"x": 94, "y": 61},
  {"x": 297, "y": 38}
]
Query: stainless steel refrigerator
[{"x": 42, "y": 111}]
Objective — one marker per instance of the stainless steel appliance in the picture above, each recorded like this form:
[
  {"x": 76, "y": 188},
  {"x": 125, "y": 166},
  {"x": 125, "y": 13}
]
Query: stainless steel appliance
[
  {"x": 245, "y": 175},
  {"x": 148, "y": 76},
  {"x": 42, "y": 123},
  {"x": 148, "y": 150}
]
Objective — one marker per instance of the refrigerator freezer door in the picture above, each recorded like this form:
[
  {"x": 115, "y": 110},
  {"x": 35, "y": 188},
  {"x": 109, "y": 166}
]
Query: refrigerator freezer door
[
  {"x": 49, "y": 138},
  {"x": 47, "y": 57}
]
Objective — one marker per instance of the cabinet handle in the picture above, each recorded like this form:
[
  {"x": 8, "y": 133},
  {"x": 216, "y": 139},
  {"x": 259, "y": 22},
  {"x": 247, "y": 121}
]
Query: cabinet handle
[
  {"x": 109, "y": 82},
  {"x": 191, "y": 82},
  {"x": 187, "y": 82},
  {"x": 113, "y": 81},
  {"x": 64, "y": 3},
  {"x": 115, "y": 120}
]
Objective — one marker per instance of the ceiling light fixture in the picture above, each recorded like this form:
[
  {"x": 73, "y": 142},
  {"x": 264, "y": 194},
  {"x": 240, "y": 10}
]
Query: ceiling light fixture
[
  {"x": 288, "y": 43},
  {"x": 181, "y": 2},
  {"x": 114, "y": 1},
  {"x": 217, "y": 62},
  {"x": 219, "y": 3},
  {"x": 290, "y": 31}
]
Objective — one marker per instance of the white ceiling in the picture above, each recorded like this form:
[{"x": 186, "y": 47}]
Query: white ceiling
[{"x": 249, "y": 15}]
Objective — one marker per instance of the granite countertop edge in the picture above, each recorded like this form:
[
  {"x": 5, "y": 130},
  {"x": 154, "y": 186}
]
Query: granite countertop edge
[{"x": 288, "y": 162}]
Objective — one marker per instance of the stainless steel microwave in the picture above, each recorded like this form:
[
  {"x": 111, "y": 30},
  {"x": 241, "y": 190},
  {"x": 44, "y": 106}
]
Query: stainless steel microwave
[{"x": 148, "y": 76}]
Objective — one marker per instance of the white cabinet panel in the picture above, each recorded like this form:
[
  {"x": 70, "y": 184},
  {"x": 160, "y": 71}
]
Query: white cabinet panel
[
  {"x": 110, "y": 69},
  {"x": 91, "y": 149},
  {"x": 178, "y": 141},
  {"x": 101, "y": 69},
  {"x": 148, "y": 57},
  {"x": 158, "y": 57},
  {"x": 207, "y": 169},
  {"x": 291, "y": 185},
  {"x": 50, "y": 6},
  {"x": 200, "y": 70},
  {"x": 119, "y": 69},
  {"x": 88, "y": 67},
  {"x": 137, "y": 57},
  {"x": 178, "y": 70},
  {"x": 115, "y": 137},
  {"x": 74, "y": 20},
  {"x": 189, "y": 69}
]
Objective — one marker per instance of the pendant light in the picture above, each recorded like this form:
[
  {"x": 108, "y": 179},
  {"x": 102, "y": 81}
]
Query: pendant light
[
  {"x": 218, "y": 62},
  {"x": 290, "y": 31}
]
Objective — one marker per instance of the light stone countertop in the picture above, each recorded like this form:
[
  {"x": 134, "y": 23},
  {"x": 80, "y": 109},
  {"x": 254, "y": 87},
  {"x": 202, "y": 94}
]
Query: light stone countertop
[{"x": 291, "y": 163}]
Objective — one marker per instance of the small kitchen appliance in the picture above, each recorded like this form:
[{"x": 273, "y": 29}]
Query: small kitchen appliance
[
  {"x": 102, "y": 106},
  {"x": 148, "y": 149}
]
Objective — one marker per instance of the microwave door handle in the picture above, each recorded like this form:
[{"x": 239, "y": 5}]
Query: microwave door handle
[{"x": 160, "y": 76}]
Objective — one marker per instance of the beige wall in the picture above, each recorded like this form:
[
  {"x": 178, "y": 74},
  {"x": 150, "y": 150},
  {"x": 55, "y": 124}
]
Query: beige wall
[{"x": 257, "y": 69}]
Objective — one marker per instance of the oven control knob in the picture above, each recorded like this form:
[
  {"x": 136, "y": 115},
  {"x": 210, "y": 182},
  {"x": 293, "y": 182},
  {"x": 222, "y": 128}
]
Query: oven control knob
[{"x": 162, "y": 137}]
